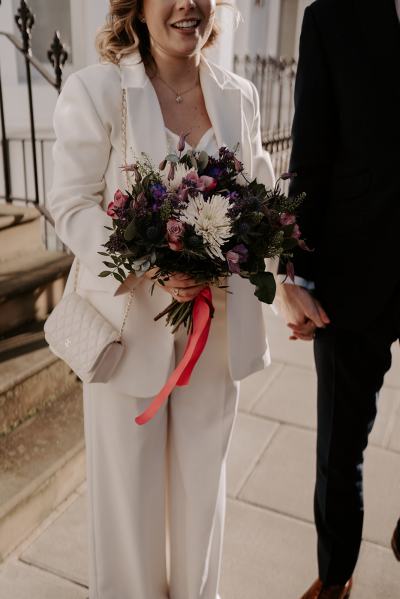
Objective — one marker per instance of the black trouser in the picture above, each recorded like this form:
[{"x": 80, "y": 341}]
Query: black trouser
[{"x": 351, "y": 367}]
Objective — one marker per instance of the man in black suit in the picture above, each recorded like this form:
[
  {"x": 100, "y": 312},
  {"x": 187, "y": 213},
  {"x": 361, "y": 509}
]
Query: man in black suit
[{"x": 346, "y": 140}]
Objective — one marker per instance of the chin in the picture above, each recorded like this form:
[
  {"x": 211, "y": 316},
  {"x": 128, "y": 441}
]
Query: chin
[{"x": 186, "y": 50}]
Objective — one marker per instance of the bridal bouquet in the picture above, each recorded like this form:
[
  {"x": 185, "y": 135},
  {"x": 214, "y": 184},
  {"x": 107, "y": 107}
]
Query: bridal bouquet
[{"x": 198, "y": 215}]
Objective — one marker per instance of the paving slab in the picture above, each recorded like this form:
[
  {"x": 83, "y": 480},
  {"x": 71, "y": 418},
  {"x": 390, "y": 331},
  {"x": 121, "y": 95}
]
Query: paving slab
[
  {"x": 283, "y": 479},
  {"x": 394, "y": 436},
  {"x": 377, "y": 575},
  {"x": 266, "y": 555},
  {"x": 290, "y": 398},
  {"x": 250, "y": 438},
  {"x": 63, "y": 549},
  {"x": 257, "y": 384},
  {"x": 392, "y": 378},
  {"x": 382, "y": 495},
  {"x": 20, "y": 581},
  {"x": 282, "y": 349},
  {"x": 387, "y": 418}
]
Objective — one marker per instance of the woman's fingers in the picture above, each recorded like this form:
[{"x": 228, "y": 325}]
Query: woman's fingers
[
  {"x": 304, "y": 331},
  {"x": 182, "y": 294}
]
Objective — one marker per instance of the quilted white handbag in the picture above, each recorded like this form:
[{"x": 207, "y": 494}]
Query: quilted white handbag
[{"x": 78, "y": 334}]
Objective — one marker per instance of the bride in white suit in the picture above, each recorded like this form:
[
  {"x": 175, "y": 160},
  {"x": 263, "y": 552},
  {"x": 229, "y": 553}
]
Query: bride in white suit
[{"x": 156, "y": 492}]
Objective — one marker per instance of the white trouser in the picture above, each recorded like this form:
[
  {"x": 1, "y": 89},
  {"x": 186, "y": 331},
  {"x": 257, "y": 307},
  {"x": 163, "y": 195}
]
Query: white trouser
[{"x": 173, "y": 466}]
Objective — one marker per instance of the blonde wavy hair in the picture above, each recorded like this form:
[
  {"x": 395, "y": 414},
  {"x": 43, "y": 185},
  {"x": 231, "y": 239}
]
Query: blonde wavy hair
[{"x": 124, "y": 32}]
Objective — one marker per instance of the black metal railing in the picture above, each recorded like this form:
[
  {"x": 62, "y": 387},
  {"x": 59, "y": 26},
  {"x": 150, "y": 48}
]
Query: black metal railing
[
  {"x": 274, "y": 79},
  {"x": 33, "y": 160}
]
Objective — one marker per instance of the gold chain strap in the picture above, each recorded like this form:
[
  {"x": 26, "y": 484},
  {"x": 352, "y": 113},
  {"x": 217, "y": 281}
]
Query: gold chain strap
[
  {"x": 124, "y": 155},
  {"x": 124, "y": 112},
  {"x": 124, "y": 136}
]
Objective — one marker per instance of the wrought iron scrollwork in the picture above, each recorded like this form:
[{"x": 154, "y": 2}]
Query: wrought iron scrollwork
[
  {"x": 58, "y": 56},
  {"x": 25, "y": 20}
]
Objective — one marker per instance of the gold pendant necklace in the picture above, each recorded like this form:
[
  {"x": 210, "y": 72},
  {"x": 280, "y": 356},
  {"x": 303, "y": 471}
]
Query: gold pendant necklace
[{"x": 178, "y": 95}]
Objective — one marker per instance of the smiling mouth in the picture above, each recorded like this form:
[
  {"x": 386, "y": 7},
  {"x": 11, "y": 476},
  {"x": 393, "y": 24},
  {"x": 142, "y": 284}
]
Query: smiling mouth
[{"x": 186, "y": 24}]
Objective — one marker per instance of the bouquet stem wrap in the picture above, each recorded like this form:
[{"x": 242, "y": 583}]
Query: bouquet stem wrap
[{"x": 203, "y": 311}]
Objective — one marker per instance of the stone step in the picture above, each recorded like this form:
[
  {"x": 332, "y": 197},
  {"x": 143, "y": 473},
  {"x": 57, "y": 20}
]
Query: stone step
[
  {"x": 31, "y": 285},
  {"x": 31, "y": 277},
  {"x": 41, "y": 463},
  {"x": 12, "y": 215},
  {"x": 30, "y": 382},
  {"x": 22, "y": 341}
]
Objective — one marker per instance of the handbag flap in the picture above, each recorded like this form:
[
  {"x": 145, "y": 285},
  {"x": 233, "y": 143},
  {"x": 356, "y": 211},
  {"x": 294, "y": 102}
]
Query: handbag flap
[{"x": 78, "y": 333}]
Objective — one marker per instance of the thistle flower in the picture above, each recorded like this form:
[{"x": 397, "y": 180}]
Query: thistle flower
[{"x": 182, "y": 142}]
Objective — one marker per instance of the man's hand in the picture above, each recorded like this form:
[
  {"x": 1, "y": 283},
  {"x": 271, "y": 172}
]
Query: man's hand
[{"x": 302, "y": 312}]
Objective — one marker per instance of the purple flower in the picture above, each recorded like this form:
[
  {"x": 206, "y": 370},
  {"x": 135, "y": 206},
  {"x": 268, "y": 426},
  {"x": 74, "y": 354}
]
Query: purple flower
[
  {"x": 234, "y": 196},
  {"x": 158, "y": 191},
  {"x": 214, "y": 171},
  {"x": 236, "y": 256}
]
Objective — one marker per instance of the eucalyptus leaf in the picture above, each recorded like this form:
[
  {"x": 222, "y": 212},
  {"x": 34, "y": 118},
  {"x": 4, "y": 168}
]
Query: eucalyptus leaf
[
  {"x": 118, "y": 277},
  {"x": 172, "y": 158},
  {"x": 202, "y": 160},
  {"x": 130, "y": 231}
]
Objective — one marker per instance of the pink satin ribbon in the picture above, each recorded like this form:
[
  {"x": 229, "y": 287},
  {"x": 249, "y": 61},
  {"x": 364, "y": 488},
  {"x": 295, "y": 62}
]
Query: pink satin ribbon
[{"x": 203, "y": 311}]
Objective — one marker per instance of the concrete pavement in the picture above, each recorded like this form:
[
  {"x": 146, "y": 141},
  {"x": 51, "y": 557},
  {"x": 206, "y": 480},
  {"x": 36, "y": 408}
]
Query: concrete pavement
[{"x": 269, "y": 550}]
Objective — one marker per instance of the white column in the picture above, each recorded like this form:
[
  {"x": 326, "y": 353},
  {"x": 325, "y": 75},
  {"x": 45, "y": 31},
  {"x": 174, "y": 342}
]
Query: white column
[
  {"x": 258, "y": 33},
  {"x": 222, "y": 51},
  {"x": 300, "y": 13}
]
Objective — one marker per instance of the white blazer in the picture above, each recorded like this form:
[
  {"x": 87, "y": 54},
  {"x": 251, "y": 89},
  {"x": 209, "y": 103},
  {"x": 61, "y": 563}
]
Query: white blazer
[{"x": 87, "y": 160}]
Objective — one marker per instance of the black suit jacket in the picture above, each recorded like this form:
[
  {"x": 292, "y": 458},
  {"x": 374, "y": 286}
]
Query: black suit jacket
[{"x": 346, "y": 153}]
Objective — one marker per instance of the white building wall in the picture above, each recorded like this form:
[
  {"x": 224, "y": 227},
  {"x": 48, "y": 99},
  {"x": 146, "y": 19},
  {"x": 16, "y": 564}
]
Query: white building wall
[{"x": 86, "y": 17}]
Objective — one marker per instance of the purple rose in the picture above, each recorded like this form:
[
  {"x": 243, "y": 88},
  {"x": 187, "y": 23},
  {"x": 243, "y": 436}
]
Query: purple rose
[
  {"x": 175, "y": 230},
  {"x": 236, "y": 256}
]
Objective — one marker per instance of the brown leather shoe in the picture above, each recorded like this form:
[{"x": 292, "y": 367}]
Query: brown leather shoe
[
  {"x": 319, "y": 591},
  {"x": 396, "y": 541}
]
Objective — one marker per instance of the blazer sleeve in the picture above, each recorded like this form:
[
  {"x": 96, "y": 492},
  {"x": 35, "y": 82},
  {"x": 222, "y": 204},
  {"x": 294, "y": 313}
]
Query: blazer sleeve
[
  {"x": 262, "y": 165},
  {"x": 81, "y": 155},
  {"x": 314, "y": 134}
]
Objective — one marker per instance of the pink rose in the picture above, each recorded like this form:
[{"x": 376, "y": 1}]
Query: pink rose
[
  {"x": 176, "y": 246},
  {"x": 296, "y": 232},
  {"x": 287, "y": 219},
  {"x": 175, "y": 230},
  {"x": 120, "y": 199},
  {"x": 119, "y": 202},
  {"x": 206, "y": 183},
  {"x": 192, "y": 176}
]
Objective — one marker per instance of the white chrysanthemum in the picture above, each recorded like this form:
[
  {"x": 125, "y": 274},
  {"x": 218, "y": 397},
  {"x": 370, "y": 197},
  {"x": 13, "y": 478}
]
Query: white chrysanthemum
[
  {"x": 181, "y": 171},
  {"x": 210, "y": 220}
]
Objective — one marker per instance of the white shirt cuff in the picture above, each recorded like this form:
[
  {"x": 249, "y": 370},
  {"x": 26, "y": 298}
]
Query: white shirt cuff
[{"x": 310, "y": 285}]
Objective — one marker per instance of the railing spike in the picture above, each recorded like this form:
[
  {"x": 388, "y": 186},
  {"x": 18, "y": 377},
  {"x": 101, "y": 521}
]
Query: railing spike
[
  {"x": 58, "y": 56},
  {"x": 25, "y": 20}
]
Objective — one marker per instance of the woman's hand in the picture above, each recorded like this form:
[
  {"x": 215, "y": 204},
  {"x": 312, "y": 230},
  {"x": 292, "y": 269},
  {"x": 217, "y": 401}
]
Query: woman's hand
[{"x": 180, "y": 286}]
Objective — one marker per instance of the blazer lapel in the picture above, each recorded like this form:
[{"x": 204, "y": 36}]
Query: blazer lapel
[
  {"x": 224, "y": 107},
  {"x": 145, "y": 124}
]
